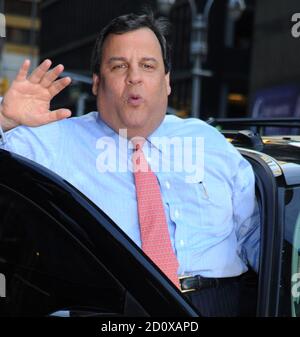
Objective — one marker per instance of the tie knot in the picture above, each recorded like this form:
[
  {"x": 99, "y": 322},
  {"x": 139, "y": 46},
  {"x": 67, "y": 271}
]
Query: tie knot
[
  {"x": 139, "y": 161},
  {"x": 138, "y": 143}
]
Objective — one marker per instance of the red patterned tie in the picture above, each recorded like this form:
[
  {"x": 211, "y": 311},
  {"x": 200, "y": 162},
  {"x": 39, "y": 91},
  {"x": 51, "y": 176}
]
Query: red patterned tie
[{"x": 155, "y": 236}]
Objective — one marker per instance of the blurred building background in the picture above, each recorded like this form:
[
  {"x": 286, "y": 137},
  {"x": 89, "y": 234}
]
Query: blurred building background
[
  {"x": 22, "y": 37},
  {"x": 230, "y": 58},
  {"x": 275, "y": 70},
  {"x": 224, "y": 54}
]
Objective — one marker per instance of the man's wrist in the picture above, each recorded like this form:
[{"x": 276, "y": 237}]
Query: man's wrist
[{"x": 5, "y": 123}]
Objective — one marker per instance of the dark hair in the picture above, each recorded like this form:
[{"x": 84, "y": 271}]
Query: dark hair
[{"x": 130, "y": 22}]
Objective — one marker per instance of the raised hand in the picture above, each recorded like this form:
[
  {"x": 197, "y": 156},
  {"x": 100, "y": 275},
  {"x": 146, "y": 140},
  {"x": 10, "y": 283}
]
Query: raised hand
[{"x": 27, "y": 101}]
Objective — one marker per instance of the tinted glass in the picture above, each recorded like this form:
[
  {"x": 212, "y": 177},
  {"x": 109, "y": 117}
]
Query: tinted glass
[{"x": 46, "y": 269}]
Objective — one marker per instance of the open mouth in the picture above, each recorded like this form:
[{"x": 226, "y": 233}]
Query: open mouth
[{"x": 135, "y": 100}]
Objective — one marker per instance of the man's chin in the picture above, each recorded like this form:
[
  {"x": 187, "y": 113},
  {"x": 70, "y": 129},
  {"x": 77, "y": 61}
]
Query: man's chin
[{"x": 136, "y": 123}]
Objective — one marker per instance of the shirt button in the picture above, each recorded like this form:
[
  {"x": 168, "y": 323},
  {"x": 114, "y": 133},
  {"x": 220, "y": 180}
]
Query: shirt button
[
  {"x": 176, "y": 214},
  {"x": 181, "y": 243},
  {"x": 168, "y": 185}
]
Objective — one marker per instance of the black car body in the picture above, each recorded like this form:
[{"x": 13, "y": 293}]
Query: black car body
[{"x": 60, "y": 254}]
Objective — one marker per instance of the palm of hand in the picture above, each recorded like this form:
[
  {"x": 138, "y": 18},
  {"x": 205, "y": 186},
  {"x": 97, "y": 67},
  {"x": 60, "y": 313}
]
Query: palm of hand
[{"x": 25, "y": 102}]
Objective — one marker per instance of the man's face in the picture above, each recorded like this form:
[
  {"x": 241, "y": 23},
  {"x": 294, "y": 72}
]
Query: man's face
[{"x": 132, "y": 88}]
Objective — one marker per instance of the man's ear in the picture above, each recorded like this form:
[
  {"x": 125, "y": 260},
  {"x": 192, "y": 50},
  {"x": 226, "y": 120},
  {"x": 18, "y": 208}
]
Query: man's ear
[
  {"x": 168, "y": 86},
  {"x": 95, "y": 86}
]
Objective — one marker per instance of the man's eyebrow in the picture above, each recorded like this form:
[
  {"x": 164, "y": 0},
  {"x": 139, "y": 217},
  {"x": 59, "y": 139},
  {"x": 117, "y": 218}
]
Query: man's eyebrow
[
  {"x": 116, "y": 58},
  {"x": 149, "y": 59},
  {"x": 124, "y": 59}
]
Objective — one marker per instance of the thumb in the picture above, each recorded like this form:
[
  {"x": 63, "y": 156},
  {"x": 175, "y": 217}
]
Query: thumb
[
  {"x": 55, "y": 115},
  {"x": 61, "y": 113}
]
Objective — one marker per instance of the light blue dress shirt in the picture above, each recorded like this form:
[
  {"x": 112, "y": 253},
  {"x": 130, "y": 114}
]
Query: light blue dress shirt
[{"x": 212, "y": 219}]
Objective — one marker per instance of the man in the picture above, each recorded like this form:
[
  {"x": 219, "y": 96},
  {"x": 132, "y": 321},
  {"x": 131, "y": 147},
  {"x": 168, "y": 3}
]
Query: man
[{"x": 211, "y": 223}]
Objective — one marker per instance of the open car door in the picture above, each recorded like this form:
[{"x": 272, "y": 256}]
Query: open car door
[{"x": 62, "y": 256}]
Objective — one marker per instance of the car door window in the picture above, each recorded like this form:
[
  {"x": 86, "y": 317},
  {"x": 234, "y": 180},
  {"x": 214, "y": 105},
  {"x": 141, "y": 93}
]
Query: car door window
[{"x": 46, "y": 269}]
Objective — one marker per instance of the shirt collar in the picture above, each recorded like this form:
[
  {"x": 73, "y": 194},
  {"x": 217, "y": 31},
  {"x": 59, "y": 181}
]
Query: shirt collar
[
  {"x": 159, "y": 132},
  {"x": 150, "y": 140},
  {"x": 107, "y": 130}
]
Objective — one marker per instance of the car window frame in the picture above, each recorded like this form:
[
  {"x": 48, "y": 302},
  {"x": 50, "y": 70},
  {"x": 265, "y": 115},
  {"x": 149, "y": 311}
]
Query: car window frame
[{"x": 271, "y": 192}]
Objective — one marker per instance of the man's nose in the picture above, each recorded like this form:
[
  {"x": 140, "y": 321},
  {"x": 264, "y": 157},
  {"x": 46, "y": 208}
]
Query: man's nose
[{"x": 134, "y": 76}]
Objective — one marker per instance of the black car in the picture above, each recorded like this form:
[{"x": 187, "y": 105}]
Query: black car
[{"x": 60, "y": 255}]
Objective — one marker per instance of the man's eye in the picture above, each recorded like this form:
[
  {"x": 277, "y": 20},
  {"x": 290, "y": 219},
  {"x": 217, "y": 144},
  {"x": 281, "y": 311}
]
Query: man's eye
[
  {"x": 147, "y": 66},
  {"x": 119, "y": 66}
]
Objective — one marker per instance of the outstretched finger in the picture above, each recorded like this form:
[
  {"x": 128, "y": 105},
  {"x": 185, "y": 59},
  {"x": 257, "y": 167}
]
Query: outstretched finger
[
  {"x": 51, "y": 76},
  {"x": 57, "y": 86},
  {"x": 23, "y": 71},
  {"x": 40, "y": 71}
]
